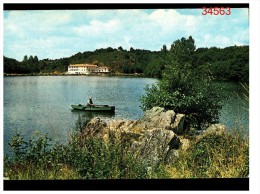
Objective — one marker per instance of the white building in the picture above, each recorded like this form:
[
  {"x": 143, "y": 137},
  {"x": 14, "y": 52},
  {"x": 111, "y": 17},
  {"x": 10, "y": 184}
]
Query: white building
[
  {"x": 86, "y": 69},
  {"x": 102, "y": 69}
]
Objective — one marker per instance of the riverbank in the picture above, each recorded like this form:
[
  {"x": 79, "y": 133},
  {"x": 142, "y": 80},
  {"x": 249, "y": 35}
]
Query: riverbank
[
  {"x": 66, "y": 74},
  {"x": 155, "y": 146}
]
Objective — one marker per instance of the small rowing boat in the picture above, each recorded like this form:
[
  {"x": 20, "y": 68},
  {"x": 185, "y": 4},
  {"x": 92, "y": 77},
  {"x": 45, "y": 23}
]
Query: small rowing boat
[{"x": 101, "y": 108}]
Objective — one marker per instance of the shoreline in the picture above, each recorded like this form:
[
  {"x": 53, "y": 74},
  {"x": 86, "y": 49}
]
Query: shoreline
[
  {"x": 99, "y": 75},
  {"x": 65, "y": 74}
]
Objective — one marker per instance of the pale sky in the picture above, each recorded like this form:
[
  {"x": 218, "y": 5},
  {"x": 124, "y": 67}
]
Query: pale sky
[{"x": 55, "y": 34}]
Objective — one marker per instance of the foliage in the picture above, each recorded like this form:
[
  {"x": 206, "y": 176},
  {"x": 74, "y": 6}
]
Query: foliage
[
  {"x": 95, "y": 159},
  {"x": 214, "y": 156},
  {"x": 81, "y": 123},
  {"x": 186, "y": 88},
  {"x": 14, "y": 66},
  {"x": 80, "y": 158},
  {"x": 230, "y": 63}
]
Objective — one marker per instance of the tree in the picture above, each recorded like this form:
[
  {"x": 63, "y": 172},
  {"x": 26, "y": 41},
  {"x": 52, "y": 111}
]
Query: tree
[
  {"x": 183, "y": 50},
  {"x": 35, "y": 59},
  {"x": 120, "y": 48},
  {"x": 132, "y": 49},
  {"x": 154, "y": 68},
  {"x": 186, "y": 88},
  {"x": 110, "y": 49},
  {"x": 164, "y": 48},
  {"x": 25, "y": 58}
]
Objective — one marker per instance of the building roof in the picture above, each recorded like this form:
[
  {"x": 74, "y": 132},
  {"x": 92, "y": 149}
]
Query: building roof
[{"x": 82, "y": 65}]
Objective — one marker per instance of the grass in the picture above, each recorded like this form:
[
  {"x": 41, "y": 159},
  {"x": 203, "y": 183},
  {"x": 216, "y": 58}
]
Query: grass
[
  {"x": 91, "y": 158},
  {"x": 80, "y": 158},
  {"x": 215, "y": 156}
]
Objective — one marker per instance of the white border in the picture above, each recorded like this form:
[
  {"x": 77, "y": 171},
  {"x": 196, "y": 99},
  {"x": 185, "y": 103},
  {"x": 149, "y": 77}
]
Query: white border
[
  {"x": 1, "y": 97},
  {"x": 254, "y": 81},
  {"x": 254, "y": 97}
]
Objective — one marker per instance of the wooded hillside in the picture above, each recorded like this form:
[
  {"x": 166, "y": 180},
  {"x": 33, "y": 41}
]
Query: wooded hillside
[{"x": 230, "y": 63}]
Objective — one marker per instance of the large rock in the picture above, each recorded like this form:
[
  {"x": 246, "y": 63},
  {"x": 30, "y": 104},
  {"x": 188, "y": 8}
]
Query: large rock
[
  {"x": 185, "y": 144},
  {"x": 152, "y": 119},
  {"x": 121, "y": 125},
  {"x": 153, "y": 138},
  {"x": 215, "y": 129},
  {"x": 156, "y": 145},
  {"x": 155, "y": 111},
  {"x": 218, "y": 129},
  {"x": 158, "y": 117},
  {"x": 95, "y": 128},
  {"x": 178, "y": 125}
]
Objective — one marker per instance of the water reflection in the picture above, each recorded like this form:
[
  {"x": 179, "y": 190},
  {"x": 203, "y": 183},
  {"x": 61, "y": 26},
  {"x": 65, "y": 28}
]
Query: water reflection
[{"x": 90, "y": 115}]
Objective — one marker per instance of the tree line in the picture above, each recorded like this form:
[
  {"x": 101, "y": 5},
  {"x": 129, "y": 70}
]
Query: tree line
[{"x": 230, "y": 63}]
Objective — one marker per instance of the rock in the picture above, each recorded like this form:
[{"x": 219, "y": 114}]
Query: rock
[
  {"x": 95, "y": 127},
  {"x": 171, "y": 156},
  {"x": 215, "y": 129},
  {"x": 158, "y": 117},
  {"x": 175, "y": 142},
  {"x": 185, "y": 144},
  {"x": 167, "y": 119},
  {"x": 178, "y": 125},
  {"x": 115, "y": 124},
  {"x": 121, "y": 125},
  {"x": 155, "y": 145},
  {"x": 154, "y": 138},
  {"x": 155, "y": 111},
  {"x": 152, "y": 145},
  {"x": 151, "y": 138}
]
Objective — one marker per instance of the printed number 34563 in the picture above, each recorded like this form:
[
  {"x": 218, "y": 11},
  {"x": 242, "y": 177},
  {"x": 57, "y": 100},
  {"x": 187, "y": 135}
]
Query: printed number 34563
[{"x": 216, "y": 11}]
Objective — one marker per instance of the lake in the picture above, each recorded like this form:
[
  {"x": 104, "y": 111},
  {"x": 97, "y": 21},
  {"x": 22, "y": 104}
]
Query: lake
[{"x": 42, "y": 104}]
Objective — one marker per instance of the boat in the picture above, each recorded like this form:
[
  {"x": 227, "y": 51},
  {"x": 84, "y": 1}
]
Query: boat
[{"x": 94, "y": 108}]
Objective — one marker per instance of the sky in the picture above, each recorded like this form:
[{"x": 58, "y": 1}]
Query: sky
[{"x": 56, "y": 34}]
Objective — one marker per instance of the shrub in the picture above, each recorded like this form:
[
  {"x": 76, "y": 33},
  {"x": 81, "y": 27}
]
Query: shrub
[{"x": 186, "y": 88}]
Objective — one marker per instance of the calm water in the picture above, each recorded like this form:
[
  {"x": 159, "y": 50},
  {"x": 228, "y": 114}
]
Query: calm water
[
  {"x": 42, "y": 104},
  {"x": 235, "y": 113}
]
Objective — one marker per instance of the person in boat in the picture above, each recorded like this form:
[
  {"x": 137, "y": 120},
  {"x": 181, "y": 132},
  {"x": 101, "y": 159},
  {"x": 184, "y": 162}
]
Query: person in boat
[{"x": 90, "y": 102}]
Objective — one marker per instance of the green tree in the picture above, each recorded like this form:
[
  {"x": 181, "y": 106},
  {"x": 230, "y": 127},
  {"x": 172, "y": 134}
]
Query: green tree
[
  {"x": 183, "y": 50},
  {"x": 186, "y": 88},
  {"x": 35, "y": 59},
  {"x": 120, "y": 48},
  {"x": 132, "y": 49},
  {"x": 25, "y": 58},
  {"x": 164, "y": 48}
]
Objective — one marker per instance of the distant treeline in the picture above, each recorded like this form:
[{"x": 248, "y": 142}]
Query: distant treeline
[{"x": 230, "y": 63}]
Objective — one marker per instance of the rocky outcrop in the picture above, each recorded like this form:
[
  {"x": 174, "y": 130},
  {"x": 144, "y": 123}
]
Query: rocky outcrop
[
  {"x": 215, "y": 129},
  {"x": 157, "y": 137},
  {"x": 95, "y": 128},
  {"x": 158, "y": 117},
  {"x": 155, "y": 145}
]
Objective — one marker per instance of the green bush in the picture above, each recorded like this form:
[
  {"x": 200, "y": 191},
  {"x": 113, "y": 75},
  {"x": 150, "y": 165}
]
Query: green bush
[
  {"x": 94, "y": 158},
  {"x": 186, "y": 88}
]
